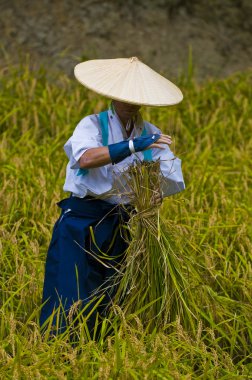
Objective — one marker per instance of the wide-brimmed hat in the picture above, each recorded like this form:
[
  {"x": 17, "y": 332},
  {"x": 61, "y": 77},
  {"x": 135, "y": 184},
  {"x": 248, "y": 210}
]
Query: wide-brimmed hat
[{"x": 128, "y": 80}]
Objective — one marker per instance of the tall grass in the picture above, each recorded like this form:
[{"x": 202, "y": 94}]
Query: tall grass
[{"x": 210, "y": 225}]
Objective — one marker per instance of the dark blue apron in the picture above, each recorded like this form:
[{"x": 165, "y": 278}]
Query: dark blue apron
[{"x": 72, "y": 271}]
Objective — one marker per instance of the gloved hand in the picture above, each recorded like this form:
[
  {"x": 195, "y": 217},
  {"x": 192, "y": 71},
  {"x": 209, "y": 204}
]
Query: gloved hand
[{"x": 119, "y": 151}]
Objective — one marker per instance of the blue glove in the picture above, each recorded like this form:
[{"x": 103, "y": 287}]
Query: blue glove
[{"x": 123, "y": 149}]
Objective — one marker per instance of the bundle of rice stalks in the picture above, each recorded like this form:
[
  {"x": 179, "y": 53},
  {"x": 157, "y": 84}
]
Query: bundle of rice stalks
[{"x": 152, "y": 281}]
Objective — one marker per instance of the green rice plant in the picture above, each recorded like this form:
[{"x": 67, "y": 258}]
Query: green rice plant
[{"x": 208, "y": 228}]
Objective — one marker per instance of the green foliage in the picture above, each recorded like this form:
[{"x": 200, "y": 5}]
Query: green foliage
[{"x": 210, "y": 223}]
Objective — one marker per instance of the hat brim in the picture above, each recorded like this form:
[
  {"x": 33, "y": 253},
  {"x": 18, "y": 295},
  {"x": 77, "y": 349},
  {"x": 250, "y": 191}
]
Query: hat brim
[{"x": 127, "y": 80}]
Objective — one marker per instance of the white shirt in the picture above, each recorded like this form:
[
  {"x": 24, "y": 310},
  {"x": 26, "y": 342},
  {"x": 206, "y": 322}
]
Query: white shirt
[{"x": 106, "y": 182}]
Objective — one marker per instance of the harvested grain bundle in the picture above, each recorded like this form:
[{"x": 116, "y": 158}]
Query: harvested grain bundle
[{"x": 152, "y": 280}]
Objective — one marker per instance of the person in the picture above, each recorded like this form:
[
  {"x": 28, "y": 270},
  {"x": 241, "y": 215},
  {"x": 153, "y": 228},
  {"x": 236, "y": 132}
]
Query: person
[{"x": 101, "y": 148}]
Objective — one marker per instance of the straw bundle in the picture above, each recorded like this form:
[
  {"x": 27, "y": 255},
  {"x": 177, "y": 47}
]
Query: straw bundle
[{"x": 151, "y": 281}]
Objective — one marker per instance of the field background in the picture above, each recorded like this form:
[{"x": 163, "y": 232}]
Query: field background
[{"x": 210, "y": 221}]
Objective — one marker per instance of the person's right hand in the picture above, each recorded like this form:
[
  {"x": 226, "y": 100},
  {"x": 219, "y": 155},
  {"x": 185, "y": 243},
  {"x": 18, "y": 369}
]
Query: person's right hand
[{"x": 164, "y": 139}]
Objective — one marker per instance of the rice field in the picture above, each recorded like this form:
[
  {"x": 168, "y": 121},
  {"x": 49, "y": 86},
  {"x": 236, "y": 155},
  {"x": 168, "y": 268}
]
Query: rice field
[{"x": 208, "y": 229}]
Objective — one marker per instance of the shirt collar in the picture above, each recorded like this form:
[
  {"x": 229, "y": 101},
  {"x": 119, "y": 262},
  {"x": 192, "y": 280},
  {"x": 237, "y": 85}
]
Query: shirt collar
[{"x": 138, "y": 124}]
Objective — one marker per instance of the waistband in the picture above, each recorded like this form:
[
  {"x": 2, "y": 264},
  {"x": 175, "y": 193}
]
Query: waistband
[{"x": 93, "y": 207}]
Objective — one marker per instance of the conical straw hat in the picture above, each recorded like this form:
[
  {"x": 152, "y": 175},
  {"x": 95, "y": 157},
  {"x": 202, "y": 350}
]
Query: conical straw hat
[{"x": 128, "y": 80}]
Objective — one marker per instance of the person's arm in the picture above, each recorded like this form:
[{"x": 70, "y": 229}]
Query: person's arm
[{"x": 96, "y": 157}]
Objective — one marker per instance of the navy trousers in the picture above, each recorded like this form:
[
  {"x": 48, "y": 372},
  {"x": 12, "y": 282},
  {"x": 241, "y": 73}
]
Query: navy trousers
[{"x": 72, "y": 273}]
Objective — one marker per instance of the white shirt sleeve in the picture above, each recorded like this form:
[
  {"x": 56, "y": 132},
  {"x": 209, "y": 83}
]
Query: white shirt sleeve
[
  {"x": 172, "y": 178},
  {"x": 86, "y": 135},
  {"x": 93, "y": 181}
]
